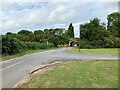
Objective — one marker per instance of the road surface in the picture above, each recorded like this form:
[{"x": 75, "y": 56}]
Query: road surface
[{"x": 15, "y": 70}]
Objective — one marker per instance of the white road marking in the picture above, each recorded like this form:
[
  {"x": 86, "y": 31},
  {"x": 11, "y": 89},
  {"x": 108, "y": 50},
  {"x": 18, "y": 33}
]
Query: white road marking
[{"x": 11, "y": 65}]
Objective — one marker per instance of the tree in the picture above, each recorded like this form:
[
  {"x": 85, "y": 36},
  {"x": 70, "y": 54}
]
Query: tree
[
  {"x": 25, "y": 32},
  {"x": 59, "y": 31},
  {"x": 63, "y": 39},
  {"x": 114, "y": 23},
  {"x": 54, "y": 40},
  {"x": 70, "y": 31},
  {"x": 23, "y": 37},
  {"x": 38, "y": 38},
  {"x": 10, "y": 33},
  {"x": 46, "y": 31},
  {"x": 14, "y": 35},
  {"x": 36, "y": 32},
  {"x": 94, "y": 33}
]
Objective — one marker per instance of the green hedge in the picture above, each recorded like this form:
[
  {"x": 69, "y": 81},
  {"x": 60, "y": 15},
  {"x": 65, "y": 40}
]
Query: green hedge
[
  {"x": 37, "y": 45},
  {"x": 12, "y": 45},
  {"x": 105, "y": 42}
]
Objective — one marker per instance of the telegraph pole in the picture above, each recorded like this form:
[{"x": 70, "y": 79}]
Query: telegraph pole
[{"x": 79, "y": 43}]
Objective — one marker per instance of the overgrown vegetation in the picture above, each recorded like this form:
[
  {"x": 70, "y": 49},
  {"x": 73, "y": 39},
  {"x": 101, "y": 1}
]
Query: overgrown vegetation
[
  {"x": 95, "y": 34},
  {"x": 92, "y": 35},
  {"x": 13, "y": 43},
  {"x": 78, "y": 74}
]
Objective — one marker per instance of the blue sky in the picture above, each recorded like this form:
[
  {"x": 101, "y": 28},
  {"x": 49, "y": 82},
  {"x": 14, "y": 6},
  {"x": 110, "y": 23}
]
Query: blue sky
[{"x": 40, "y": 15}]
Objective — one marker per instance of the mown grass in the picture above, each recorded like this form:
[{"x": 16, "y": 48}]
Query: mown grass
[
  {"x": 6, "y": 57},
  {"x": 78, "y": 74},
  {"x": 103, "y": 51}
]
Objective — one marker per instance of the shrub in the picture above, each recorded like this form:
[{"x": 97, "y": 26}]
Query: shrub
[
  {"x": 85, "y": 43},
  {"x": 10, "y": 45},
  {"x": 42, "y": 46},
  {"x": 50, "y": 45},
  {"x": 112, "y": 42},
  {"x": 37, "y": 45}
]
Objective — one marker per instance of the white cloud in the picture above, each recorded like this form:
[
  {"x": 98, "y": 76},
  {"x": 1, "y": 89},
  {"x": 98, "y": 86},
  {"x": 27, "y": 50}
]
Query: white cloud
[
  {"x": 59, "y": 0},
  {"x": 40, "y": 15}
]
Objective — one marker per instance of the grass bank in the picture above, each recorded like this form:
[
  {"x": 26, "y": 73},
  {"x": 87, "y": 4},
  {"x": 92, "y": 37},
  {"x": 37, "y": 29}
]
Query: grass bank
[
  {"x": 103, "y": 51},
  {"x": 6, "y": 57},
  {"x": 77, "y": 74}
]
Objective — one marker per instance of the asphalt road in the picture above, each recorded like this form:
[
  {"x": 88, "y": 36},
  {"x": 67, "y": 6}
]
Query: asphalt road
[{"x": 15, "y": 70}]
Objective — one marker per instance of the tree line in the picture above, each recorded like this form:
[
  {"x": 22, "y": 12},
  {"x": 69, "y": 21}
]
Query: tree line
[
  {"x": 13, "y": 43},
  {"x": 96, "y": 34}
]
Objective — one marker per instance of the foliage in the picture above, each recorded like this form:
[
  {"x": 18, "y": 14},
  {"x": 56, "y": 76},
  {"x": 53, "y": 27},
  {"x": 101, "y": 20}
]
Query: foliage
[
  {"x": 95, "y": 34},
  {"x": 27, "y": 40},
  {"x": 112, "y": 42},
  {"x": 23, "y": 37},
  {"x": 84, "y": 43},
  {"x": 38, "y": 32},
  {"x": 54, "y": 40},
  {"x": 25, "y": 32},
  {"x": 114, "y": 23},
  {"x": 10, "y": 45},
  {"x": 70, "y": 31}
]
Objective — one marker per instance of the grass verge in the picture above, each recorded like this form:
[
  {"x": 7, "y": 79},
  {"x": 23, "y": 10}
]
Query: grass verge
[
  {"x": 102, "y": 51},
  {"x": 77, "y": 74},
  {"x": 6, "y": 57}
]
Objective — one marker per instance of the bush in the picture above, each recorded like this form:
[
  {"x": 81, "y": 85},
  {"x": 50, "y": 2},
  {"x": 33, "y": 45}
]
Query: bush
[
  {"x": 112, "y": 42},
  {"x": 55, "y": 41},
  {"x": 85, "y": 44},
  {"x": 97, "y": 43},
  {"x": 104, "y": 42},
  {"x": 50, "y": 45},
  {"x": 37, "y": 45},
  {"x": 42, "y": 46},
  {"x": 11, "y": 45}
]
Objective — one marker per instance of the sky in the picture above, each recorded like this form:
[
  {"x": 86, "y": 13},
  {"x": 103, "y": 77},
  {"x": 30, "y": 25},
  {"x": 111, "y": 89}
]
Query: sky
[{"x": 39, "y": 15}]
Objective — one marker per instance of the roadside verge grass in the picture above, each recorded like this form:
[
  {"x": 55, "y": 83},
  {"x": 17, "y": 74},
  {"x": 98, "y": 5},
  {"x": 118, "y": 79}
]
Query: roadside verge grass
[
  {"x": 77, "y": 74},
  {"x": 101, "y": 51},
  {"x": 6, "y": 57}
]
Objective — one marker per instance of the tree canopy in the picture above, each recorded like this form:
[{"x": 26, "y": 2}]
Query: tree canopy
[
  {"x": 95, "y": 34},
  {"x": 70, "y": 31},
  {"x": 114, "y": 23}
]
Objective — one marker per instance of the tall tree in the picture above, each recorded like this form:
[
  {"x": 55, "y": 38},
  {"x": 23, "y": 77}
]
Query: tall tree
[
  {"x": 92, "y": 30},
  {"x": 58, "y": 31},
  {"x": 36, "y": 32},
  {"x": 11, "y": 34},
  {"x": 93, "y": 33},
  {"x": 24, "y": 35},
  {"x": 114, "y": 23},
  {"x": 70, "y": 31},
  {"x": 25, "y": 32}
]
